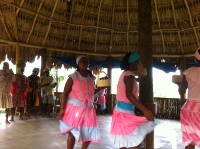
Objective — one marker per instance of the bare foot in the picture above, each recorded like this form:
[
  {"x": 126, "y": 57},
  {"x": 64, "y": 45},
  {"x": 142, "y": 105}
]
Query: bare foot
[{"x": 7, "y": 122}]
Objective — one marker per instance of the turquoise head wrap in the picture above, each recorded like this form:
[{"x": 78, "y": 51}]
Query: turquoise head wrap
[{"x": 133, "y": 57}]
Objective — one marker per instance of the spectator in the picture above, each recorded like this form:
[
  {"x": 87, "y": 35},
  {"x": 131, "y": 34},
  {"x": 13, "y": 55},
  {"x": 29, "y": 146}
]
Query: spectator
[
  {"x": 47, "y": 84},
  {"x": 5, "y": 84},
  {"x": 33, "y": 98},
  {"x": 18, "y": 91}
]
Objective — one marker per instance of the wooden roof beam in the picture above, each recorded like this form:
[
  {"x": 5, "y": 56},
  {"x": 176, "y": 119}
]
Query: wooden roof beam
[
  {"x": 5, "y": 45},
  {"x": 86, "y": 53},
  {"x": 25, "y": 9},
  {"x": 33, "y": 25},
  {"x": 112, "y": 25},
  {"x": 4, "y": 24},
  {"x": 65, "y": 43},
  {"x": 109, "y": 29},
  {"x": 49, "y": 26},
  {"x": 81, "y": 30},
  {"x": 161, "y": 32},
  {"x": 128, "y": 23},
  {"x": 191, "y": 22},
  {"x": 96, "y": 33},
  {"x": 20, "y": 5},
  {"x": 175, "y": 21}
]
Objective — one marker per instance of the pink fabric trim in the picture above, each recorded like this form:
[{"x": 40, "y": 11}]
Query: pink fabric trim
[
  {"x": 89, "y": 140},
  {"x": 124, "y": 123}
]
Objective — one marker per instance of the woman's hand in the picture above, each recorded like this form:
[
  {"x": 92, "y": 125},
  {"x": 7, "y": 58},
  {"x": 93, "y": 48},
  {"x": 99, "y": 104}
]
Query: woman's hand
[
  {"x": 148, "y": 115},
  {"x": 60, "y": 114}
]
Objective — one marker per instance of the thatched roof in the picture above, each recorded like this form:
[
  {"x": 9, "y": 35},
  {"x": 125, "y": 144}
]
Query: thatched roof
[{"x": 99, "y": 28}]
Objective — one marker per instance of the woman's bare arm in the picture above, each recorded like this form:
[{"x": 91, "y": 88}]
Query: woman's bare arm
[
  {"x": 67, "y": 89},
  {"x": 183, "y": 86},
  {"x": 129, "y": 80}
]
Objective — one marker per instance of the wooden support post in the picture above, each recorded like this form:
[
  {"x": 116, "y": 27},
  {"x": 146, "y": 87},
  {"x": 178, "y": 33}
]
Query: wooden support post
[
  {"x": 108, "y": 95},
  {"x": 146, "y": 57},
  {"x": 16, "y": 112},
  {"x": 43, "y": 60},
  {"x": 182, "y": 68},
  {"x": 17, "y": 56}
]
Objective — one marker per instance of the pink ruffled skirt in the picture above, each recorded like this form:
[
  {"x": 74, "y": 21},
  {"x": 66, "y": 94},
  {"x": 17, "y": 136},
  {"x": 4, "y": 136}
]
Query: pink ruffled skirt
[
  {"x": 190, "y": 122},
  {"x": 81, "y": 121},
  {"x": 127, "y": 129}
]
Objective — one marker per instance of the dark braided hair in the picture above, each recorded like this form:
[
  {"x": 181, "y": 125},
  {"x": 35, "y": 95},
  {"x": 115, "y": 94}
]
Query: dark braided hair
[{"x": 124, "y": 63}]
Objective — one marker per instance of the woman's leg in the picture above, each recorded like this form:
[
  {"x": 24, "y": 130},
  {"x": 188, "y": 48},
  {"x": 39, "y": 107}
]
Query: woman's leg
[
  {"x": 191, "y": 146},
  {"x": 7, "y": 114},
  {"x": 102, "y": 112},
  {"x": 21, "y": 111},
  {"x": 99, "y": 109},
  {"x": 70, "y": 141},
  {"x": 85, "y": 145},
  {"x": 12, "y": 114}
]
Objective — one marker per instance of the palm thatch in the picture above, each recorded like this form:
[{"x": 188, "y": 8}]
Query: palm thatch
[{"x": 98, "y": 28}]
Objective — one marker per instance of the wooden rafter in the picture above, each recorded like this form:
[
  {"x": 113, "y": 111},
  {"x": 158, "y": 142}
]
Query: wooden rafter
[
  {"x": 167, "y": 37},
  {"x": 33, "y": 25},
  {"x": 49, "y": 26},
  {"x": 161, "y": 32},
  {"x": 112, "y": 25},
  {"x": 26, "y": 10},
  {"x": 175, "y": 21},
  {"x": 65, "y": 43},
  {"x": 4, "y": 45},
  {"x": 191, "y": 22},
  {"x": 86, "y": 53},
  {"x": 20, "y": 5},
  {"x": 4, "y": 24},
  {"x": 81, "y": 29},
  {"x": 96, "y": 33},
  {"x": 128, "y": 23},
  {"x": 91, "y": 26}
]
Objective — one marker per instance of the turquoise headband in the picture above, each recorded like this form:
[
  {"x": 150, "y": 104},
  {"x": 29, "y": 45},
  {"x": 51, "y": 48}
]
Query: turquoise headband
[{"x": 133, "y": 57}]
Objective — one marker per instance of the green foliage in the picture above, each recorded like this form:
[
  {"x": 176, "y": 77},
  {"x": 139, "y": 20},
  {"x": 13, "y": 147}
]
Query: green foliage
[
  {"x": 53, "y": 73},
  {"x": 60, "y": 79}
]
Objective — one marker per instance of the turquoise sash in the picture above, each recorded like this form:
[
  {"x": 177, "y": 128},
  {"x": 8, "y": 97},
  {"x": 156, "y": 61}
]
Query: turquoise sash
[{"x": 125, "y": 106}]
